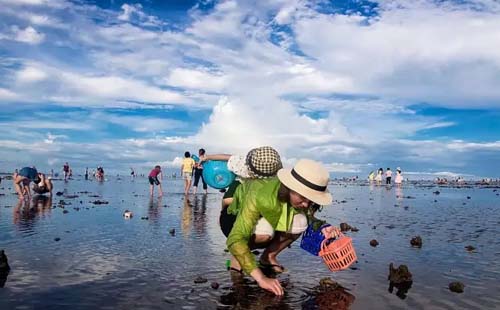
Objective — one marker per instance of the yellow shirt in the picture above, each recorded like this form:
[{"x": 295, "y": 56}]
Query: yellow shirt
[{"x": 187, "y": 165}]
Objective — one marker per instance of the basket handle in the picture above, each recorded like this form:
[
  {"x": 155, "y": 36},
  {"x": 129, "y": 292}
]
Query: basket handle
[{"x": 338, "y": 234}]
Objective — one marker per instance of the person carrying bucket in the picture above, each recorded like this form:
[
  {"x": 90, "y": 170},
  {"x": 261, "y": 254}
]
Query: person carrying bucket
[{"x": 198, "y": 172}]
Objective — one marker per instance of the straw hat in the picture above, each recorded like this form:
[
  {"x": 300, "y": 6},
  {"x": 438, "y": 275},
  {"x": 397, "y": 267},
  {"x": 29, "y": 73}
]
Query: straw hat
[
  {"x": 308, "y": 178},
  {"x": 261, "y": 162}
]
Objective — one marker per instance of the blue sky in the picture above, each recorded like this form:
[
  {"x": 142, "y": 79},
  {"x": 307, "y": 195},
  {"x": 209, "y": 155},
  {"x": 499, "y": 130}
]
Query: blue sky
[{"x": 357, "y": 85}]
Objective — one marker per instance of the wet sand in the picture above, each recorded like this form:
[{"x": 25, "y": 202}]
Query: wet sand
[{"x": 79, "y": 251}]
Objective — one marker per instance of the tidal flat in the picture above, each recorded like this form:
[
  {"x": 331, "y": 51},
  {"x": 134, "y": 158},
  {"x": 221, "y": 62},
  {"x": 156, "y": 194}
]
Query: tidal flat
[{"x": 78, "y": 251}]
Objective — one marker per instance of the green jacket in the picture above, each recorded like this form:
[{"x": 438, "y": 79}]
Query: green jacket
[{"x": 252, "y": 200}]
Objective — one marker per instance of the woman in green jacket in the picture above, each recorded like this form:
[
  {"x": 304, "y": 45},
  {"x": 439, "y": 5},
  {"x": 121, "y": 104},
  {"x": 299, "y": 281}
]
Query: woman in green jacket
[{"x": 271, "y": 215}]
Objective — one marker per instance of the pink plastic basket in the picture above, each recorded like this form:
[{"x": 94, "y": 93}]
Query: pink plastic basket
[{"x": 338, "y": 254}]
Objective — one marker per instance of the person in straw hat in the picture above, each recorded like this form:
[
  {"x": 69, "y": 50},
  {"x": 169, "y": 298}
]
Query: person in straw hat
[{"x": 271, "y": 214}]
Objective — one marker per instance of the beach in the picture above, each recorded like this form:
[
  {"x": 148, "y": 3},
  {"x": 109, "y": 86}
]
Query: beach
[{"x": 79, "y": 252}]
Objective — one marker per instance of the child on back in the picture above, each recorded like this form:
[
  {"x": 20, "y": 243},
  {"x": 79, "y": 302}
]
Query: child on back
[
  {"x": 187, "y": 171},
  {"x": 153, "y": 180}
]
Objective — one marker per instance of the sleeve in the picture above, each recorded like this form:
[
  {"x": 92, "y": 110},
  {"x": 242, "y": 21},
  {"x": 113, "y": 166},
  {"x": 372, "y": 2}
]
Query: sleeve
[
  {"x": 239, "y": 237},
  {"x": 231, "y": 189}
]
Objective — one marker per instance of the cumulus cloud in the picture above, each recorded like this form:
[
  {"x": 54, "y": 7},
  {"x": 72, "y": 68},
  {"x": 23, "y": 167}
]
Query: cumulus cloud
[
  {"x": 7, "y": 95},
  {"x": 28, "y": 35},
  {"x": 30, "y": 74},
  {"x": 195, "y": 79},
  {"x": 338, "y": 87},
  {"x": 134, "y": 12}
]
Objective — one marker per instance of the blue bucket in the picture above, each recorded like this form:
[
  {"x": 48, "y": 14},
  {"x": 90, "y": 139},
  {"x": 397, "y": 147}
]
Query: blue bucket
[
  {"x": 217, "y": 175},
  {"x": 312, "y": 239}
]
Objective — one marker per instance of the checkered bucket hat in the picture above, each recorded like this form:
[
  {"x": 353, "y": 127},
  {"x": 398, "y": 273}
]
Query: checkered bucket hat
[{"x": 263, "y": 162}]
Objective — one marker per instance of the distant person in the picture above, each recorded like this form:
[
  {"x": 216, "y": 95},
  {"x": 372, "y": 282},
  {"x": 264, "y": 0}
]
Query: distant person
[
  {"x": 187, "y": 171},
  {"x": 388, "y": 176},
  {"x": 378, "y": 178},
  {"x": 42, "y": 185},
  {"x": 198, "y": 173},
  {"x": 99, "y": 174},
  {"x": 66, "y": 171},
  {"x": 22, "y": 180},
  {"x": 132, "y": 173},
  {"x": 86, "y": 173},
  {"x": 399, "y": 177},
  {"x": 153, "y": 180}
]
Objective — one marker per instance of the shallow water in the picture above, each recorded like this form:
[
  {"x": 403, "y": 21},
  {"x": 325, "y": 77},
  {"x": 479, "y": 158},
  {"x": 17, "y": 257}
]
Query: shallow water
[{"x": 103, "y": 261}]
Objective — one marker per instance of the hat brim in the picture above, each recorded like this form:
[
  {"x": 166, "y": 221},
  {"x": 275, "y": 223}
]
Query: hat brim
[{"x": 321, "y": 198}]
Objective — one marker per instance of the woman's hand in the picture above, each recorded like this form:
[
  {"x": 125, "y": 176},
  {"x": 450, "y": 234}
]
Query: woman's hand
[
  {"x": 330, "y": 232},
  {"x": 272, "y": 285}
]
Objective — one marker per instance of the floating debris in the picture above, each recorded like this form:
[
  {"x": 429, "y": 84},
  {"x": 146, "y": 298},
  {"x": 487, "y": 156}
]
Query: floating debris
[
  {"x": 59, "y": 193},
  {"x": 214, "y": 285},
  {"x": 328, "y": 283},
  {"x": 329, "y": 295},
  {"x": 345, "y": 227},
  {"x": 100, "y": 202},
  {"x": 401, "y": 279},
  {"x": 416, "y": 241},
  {"x": 65, "y": 211},
  {"x": 200, "y": 279},
  {"x": 57, "y": 239},
  {"x": 469, "y": 248},
  {"x": 456, "y": 287},
  {"x": 373, "y": 243},
  {"x": 436, "y": 192}
]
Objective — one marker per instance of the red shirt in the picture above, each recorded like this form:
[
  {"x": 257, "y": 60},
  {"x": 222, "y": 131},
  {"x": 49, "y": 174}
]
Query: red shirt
[{"x": 154, "y": 173}]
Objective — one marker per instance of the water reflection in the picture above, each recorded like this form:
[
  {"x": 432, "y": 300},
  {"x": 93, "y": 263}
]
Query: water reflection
[
  {"x": 154, "y": 207},
  {"x": 186, "y": 217},
  {"x": 402, "y": 288},
  {"x": 26, "y": 212},
  {"x": 399, "y": 195},
  {"x": 246, "y": 294},
  {"x": 199, "y": 214}
]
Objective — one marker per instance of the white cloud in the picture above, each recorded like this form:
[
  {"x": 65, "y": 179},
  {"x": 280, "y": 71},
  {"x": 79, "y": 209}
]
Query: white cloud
[
  {"x": 143, "y": 124},
  {"x": 30, "y": 74},
  {"x": 119, "y": 88},
  {"x": 414, "y": 51},
  {"x": 6, "y": 95},
  {"x": 28, "y": 35},
  {"x": 134, "y": 12},
  {"x": 188, "y": 78},
  {"x": 428, "y": 53}
]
